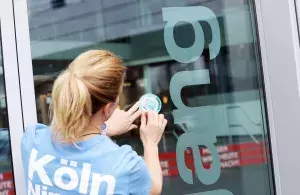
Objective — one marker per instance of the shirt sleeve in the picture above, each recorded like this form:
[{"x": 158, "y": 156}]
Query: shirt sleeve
[{"x": 140, "y": 179}]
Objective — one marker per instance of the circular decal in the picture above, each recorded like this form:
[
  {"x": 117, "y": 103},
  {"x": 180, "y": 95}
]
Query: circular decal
[{"x": 150, "y": 102}]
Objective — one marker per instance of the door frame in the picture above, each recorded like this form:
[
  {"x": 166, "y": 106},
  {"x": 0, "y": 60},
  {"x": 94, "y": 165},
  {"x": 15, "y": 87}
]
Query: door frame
[
  {"x": 282, "y": 111},
  {"x": 278, "y": 33},
  {"x": 12, "y": 90}
]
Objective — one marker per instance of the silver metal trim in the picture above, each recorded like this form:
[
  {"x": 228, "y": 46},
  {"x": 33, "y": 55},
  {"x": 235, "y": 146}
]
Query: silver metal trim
[
  {"x": 279, "y": 42},
  {"x": 25, "y": 62},
  {"x": 12, "y": 91},
  {"x": 271, "y": 125}
]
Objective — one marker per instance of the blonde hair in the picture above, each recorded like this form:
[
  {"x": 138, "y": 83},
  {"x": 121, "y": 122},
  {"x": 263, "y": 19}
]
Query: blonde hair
[{"x": 92, "y": 80}]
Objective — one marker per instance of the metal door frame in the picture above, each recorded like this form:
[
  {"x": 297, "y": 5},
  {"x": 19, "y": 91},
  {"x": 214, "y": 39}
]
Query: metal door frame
[
  {"x": 12, "y": 90},
  {"x": 277, "y": 32},
  {"x": 280, "y": 51}
]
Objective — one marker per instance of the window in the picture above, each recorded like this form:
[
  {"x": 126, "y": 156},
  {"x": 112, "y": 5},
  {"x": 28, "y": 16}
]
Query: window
[
  {"x": 212, "y": 93},
  {"x": 58, "y": 3}
]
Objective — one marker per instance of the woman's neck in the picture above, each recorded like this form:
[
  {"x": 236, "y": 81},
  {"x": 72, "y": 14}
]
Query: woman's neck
[{"x": 94, "y": 127}]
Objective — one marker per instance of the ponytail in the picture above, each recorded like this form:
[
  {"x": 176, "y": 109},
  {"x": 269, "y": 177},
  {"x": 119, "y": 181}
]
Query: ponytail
[{"x": 71, "y": 107}]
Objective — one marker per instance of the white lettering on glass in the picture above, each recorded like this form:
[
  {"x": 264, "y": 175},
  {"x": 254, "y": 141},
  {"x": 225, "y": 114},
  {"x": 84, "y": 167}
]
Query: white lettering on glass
[{"x": 192, "y": 138}]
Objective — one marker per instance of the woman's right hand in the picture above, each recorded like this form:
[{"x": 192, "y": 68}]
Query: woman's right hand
[
  {"x": 152, "y": 128},
  {"x": 121, "y": 121}
]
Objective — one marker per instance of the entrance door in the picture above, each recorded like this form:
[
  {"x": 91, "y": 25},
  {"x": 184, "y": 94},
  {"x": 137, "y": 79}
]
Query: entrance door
[{"x": 215, "y": 65}]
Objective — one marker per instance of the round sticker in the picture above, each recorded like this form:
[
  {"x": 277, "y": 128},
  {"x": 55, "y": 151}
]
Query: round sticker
[{"x": 150, "y": 102}]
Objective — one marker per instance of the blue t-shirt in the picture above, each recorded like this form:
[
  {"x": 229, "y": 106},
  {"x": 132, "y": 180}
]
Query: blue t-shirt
[{"x": 97, "y": 167}]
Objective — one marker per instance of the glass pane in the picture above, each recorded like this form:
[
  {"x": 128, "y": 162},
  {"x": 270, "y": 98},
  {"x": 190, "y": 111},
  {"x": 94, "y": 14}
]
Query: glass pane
[
  {"x": 6, "y": 170},
  {"x": 200, "y": 57}
]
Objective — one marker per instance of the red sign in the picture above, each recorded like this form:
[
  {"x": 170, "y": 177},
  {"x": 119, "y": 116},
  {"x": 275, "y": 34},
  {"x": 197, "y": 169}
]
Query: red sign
[
  {"x": 233, "y": 155},
  {"x": 7, "y": 184}
]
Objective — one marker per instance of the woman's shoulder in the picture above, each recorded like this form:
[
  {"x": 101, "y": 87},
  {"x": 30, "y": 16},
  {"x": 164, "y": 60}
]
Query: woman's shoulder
[
  {"x": 35, "y": 128},
  {"x": 127, "y": 151},
  {"x": 33, "y": 131},
  {"x": 129, "y": 157}
]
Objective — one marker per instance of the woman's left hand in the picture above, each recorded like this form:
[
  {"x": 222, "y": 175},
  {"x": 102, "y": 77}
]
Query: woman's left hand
[{"x": 121, "y": 121}]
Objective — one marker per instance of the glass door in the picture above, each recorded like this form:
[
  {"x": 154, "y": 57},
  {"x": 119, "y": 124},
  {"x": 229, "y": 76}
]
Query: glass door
[
  {"x": 208, "y": 61},
  {"x": 200, "y": 57}
]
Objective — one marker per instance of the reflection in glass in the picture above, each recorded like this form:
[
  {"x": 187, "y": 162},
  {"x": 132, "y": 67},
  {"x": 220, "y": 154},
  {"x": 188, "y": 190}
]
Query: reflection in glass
[
  {"x": 6, "y": 170},
  {"x": 232, "y": 104}
]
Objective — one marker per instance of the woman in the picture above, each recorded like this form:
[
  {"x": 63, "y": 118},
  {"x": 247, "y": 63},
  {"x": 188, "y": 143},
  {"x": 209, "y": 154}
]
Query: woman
[{"x": 75, "y": 154}]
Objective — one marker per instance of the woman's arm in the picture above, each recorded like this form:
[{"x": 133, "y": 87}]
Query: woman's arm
[
  {"x": 152, "y": 128},
  {"x": 153, "y": 164}
]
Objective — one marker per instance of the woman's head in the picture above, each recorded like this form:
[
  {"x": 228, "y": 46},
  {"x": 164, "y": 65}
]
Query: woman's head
[{"x": 90, "y": 85}]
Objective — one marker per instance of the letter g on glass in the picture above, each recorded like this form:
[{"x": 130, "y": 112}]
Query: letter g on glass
[{"x": 173, "y": 15}]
